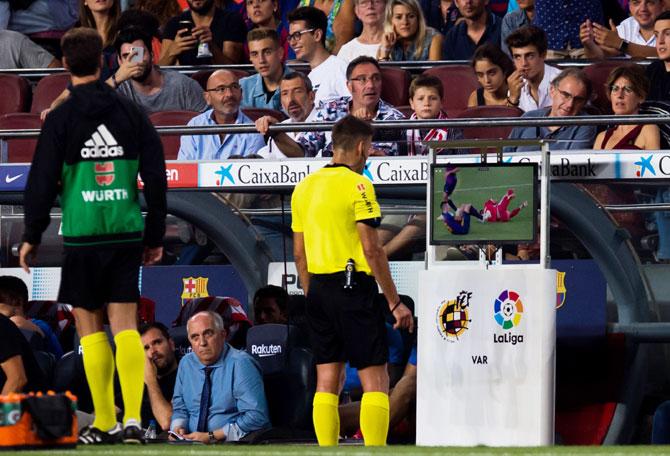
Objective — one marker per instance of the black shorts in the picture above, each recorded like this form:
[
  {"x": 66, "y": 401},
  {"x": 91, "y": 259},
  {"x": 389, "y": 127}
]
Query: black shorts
[
  {"x": 92, "y": 277},
  {"x": 346, "y": 325}
]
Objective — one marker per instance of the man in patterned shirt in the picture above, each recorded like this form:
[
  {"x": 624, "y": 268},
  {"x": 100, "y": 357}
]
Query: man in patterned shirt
[{"x": 364, "y": 81}]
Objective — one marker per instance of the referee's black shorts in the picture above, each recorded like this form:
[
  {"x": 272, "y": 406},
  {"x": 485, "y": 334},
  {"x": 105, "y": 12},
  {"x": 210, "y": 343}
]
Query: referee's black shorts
[
  {"x": 346, "y": 325},
  {"x": 94, "y": 276}
]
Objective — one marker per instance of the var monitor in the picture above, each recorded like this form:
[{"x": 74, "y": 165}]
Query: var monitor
[{"x": 480, "y": 204}]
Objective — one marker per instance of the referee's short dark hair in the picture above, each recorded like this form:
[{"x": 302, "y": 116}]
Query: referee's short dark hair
[
  {"x": 349, "y": 131},
  {"x": 82, "y": 49}
]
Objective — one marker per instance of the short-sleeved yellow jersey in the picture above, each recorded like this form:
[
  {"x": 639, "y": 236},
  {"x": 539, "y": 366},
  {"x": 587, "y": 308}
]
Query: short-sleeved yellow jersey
[{"x": 325, "y": 207}]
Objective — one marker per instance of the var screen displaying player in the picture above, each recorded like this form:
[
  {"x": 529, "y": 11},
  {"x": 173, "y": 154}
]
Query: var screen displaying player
[{"x": 473, "y": 190}]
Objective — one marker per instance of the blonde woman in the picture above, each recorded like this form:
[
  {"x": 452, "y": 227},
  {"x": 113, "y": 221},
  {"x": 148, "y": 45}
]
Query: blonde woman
[{"x": 406, "y": 36}]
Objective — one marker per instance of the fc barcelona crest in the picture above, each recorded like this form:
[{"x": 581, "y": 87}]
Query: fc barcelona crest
[{"x": 194, "y": 287}]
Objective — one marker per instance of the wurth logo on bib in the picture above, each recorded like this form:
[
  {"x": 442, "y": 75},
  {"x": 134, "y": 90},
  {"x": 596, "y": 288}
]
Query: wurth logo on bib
[{"x": 101, "y": 145}]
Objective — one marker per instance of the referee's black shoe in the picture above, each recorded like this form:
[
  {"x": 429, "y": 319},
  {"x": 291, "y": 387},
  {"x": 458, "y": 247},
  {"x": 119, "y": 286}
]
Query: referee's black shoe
[{"x": 133, "y": 433}]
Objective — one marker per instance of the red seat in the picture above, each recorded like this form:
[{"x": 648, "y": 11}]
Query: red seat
[
  {"x": 256, "y": 113},
  {"x": 171, "y": 143},
  {"x": 598, "y": 73},
  {"x": 47, "y": 90},
  {"x": 20, "y": 150},
  {"x": 203, "y": 75},
  {"x": 395, "y": 86},
  {"x": 459, "y": 81},
  {"x": 15, "y": 92},
  {"x": 493, "y": 132}
]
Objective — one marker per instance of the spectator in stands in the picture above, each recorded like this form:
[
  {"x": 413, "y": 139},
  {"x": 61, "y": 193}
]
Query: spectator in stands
[
  {"x": 103, "y": 17},
  {"x": 270, "y": 305},
  {"x": 441, "y": 15},
  {"x": 261, "y": 90},
  {"x": 147, "y": 85},
  {"x": 406, "y": 36},
  {"x": 19, "y": 371},
  {"x": 516, "y": 19},
  {"x": 479, "y": 26},
  {"x": 223, "y": 31},
  {"x": 297, "y": 99},
  {"x": 218, "y": 394},
  {"x": 265, "y": 14},
  {"x": 569, "y": 92},
  {"x": 160, "y": 374},
  {"x": 307, "y": 37},
  {"x": 163, "y": 10},
  {"x": 13, "y": 300},
  {"x": 371, "y": 15},
  {"x": 492, "y": 68},
  {"x": 365, "y": 83},
  {"x": 634, "y": 37},
  {"x": 340, "y": 27},
  {"x": 146, "y": 22},
  {"x": 223, "y": 94},
  {"x": 560, "y": 21},
  {"x": 18, "y": 51},
  {"x": 627, "y": 89},
  {"x": 658, "y": 72},
  {"x": 529, "y": 84}
]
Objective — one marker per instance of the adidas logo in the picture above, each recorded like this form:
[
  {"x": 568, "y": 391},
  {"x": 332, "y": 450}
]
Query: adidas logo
[{"x": 101, "y": 145}]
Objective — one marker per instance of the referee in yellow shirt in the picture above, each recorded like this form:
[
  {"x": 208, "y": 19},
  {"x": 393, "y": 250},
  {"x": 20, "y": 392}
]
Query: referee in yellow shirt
[{"x": 335, "y": 215}]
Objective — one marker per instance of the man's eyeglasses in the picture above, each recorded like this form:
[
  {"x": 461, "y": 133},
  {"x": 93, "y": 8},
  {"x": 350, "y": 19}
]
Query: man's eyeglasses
[
  {"x": 627, "y": 90},
  {"x": 222, "y": 88},
  {"x": 375, "y": 78},
  {"x": 570, "y": 97},
  {"x": 295, "y": 36}
]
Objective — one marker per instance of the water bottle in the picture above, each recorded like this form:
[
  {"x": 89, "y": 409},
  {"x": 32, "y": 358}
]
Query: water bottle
[
  {"x": 150, "y": 433},
  {"x": 349, "y": 271},
  {"x": 12, "y": 409}
]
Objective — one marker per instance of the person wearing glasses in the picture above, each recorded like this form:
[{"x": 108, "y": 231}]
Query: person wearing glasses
[
  {"x": 371, "y": 15},
  {"x": 569, "y": 92},
  {"x": 627, "y": 89},
  {"x": 224, "y": 95},
  {"x": 307, "y": 36},
  {"x": 364, "y": 80}
]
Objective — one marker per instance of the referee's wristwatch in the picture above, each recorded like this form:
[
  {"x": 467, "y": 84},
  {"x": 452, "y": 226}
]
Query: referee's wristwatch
[{"x": 212, "y": 439}]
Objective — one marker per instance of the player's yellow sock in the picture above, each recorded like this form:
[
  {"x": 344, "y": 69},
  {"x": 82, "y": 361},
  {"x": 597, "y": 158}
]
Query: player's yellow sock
[
  {"x": 130, "y": 364},
  {"x": 375, "y": 418},
  {"x": 99, "y": 368},
  {"x": 326, "y": 419}
]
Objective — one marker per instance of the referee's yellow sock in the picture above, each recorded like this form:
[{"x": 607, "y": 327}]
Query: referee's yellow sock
[
  {"x": 130, "y": 364},
  {"x": 99, "y": 367},
  {"x": 375, "y": 418},
  {"x": 326, "y": 419}
]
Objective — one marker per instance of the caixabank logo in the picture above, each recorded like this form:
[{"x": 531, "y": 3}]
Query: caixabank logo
[
  {"x": 508, "y": 312},
  {"x": 643, "y": 167},
  {"x": 453, "y": 316}
]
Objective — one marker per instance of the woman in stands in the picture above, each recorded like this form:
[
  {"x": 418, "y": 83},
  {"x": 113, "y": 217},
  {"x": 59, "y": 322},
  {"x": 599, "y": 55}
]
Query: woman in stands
[
  {"x": 265, "y": 14},
  {"x": 406, "y": 36},
  {"x": 492, "y": 67},
  {"x": 102, "y": 16},
  {"x": 628, "y": 87}
]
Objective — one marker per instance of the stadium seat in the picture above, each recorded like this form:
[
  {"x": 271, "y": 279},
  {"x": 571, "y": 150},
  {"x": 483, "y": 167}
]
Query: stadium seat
[
  {"x": 256, "y": 113},
  {"x": 15, "y": 92},
  {"x": 171, "y": 143},
  {"x": 395, "y": 86},
  {"x": 19, "y": 150},
  {"x": 202, "y": 76},
  {"x": 229, "y": 308},
  {"x": 459, "y": 81},
  {"x": 47, "y": 90},
  {"x": 289, "y": 376},
  {"x": 598, "y": 73},
  {"x": 495, "y": 132}
]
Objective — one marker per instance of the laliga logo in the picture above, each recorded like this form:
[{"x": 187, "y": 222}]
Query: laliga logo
[
  {"x": 643, "y": 165},
  {"x": 224, "y": 172},
  {"x": 508, "y": 309}
]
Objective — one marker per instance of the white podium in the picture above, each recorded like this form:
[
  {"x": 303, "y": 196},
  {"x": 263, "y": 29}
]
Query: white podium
[{"x": 486, "y": 357}]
